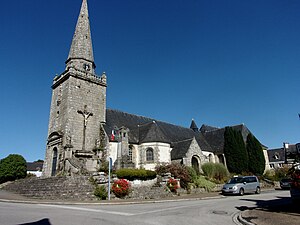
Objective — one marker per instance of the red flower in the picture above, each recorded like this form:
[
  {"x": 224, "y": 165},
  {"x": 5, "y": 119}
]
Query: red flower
[
  {"x": 172, "y": 184},
  {"x": 121, "y": 188}
]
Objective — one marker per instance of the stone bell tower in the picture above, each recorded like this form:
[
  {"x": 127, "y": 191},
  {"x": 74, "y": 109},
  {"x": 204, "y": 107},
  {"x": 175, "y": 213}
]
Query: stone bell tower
[{"x": 78, "y": 107}]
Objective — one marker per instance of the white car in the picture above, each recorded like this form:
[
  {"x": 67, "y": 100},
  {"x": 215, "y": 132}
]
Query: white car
[{"x": 241, "y": 185}]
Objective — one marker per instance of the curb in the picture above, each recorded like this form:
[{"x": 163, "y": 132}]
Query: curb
[
  {"x": 242, "y": 220},
  {"x": 106, "y": 203}
]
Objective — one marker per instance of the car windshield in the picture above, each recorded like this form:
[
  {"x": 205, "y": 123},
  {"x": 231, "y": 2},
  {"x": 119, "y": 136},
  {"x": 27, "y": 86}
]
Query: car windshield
[{"x": 236, "y": 180}]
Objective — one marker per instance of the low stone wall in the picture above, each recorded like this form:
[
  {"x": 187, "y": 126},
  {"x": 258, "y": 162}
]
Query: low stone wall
[{"x": 54, "y": 188}]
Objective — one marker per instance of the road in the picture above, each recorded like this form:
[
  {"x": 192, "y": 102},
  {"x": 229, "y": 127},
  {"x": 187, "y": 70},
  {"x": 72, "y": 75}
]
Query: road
[{"x": 209, "y": 211}]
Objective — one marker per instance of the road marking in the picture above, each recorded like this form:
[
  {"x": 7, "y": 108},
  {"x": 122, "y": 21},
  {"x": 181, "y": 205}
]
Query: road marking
[
  {"x": 167, "y": 209},
  {"x": 89, "y": 210}
]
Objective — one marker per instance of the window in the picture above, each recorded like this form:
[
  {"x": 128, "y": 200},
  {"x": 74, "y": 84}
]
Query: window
[
  {"x": 130, "y": 153},
  {"x": 149, "y": 154}
]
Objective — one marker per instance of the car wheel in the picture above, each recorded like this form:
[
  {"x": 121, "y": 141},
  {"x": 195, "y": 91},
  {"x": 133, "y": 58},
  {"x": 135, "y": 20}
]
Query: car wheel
[
  {"x": 241, "y": 192},
  {"x": 257, "y": 190}
]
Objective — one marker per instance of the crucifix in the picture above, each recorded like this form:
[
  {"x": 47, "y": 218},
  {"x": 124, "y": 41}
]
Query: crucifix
[{"x": 85, "y": 115}]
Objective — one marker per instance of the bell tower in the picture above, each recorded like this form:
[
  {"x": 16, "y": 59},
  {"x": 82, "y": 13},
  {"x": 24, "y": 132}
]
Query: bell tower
[{"x": 78, "y": 107}]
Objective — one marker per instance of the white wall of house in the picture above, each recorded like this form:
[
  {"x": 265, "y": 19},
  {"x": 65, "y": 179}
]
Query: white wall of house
[
  {"x": 267, "y": 166},
  {"x": 210, "y": 157}
]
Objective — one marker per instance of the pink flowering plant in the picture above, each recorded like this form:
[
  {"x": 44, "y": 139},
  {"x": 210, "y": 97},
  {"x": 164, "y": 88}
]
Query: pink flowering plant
[
  {"x": 172, "y": 184},
  {"x": 121, "y": 188}
]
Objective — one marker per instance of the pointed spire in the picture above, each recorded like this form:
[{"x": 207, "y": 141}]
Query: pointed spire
[
  {"x": 81, "y": 52},
  {"x": 194, "y": 126}
]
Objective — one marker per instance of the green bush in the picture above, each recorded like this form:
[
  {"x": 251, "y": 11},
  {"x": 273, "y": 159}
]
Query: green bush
[
  {"x": 101, "y": 192},
  {"x": 215, "y": 171},
  {"x": 201, "y": 182},
  {"x": 208, "y": 169},
  {"x": 277, "y": 174},
  {"x": 12, "y": 167},
  {"x": 192, "y": 173},
  {"x": 135, "y": 174},
  {"x": 177, "y": 170}
]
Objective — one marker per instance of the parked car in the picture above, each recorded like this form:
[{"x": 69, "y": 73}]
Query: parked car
[
  {"x": 295, "y": 194},
  {"x": 285, "y": 183},
  {"x": 241, "y": 185}
]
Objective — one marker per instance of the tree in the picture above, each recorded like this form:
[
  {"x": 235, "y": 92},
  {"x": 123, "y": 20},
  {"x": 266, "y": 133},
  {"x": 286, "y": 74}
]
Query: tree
[
  {"x": 255, "y": 155},
  {"x": 235, "y": 151},
  {"x": 12, "y": 167}
]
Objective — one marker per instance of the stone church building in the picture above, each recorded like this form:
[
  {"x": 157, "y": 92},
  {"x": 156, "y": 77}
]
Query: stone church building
[{"x": 82, "y": 131}]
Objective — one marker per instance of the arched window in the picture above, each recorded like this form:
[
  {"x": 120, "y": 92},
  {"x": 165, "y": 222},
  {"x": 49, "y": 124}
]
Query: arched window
[{"x": 149, "y": 154}]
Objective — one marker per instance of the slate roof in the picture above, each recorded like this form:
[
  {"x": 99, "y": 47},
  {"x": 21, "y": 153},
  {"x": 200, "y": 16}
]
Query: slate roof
[
  {"x": 34, "y": 166},
  {"x": 215, "y": 136},
  {"x": 177, "y": 152},
  {"x": 143, "y": 129},
  {"x": 194, "y": 126},
  {"x": 276, "y": 155}
]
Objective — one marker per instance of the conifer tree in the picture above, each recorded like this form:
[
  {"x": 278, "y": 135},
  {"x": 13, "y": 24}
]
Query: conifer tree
[
  {"x": 255, "y": 155},
  {"x": 235, "y": 151}
]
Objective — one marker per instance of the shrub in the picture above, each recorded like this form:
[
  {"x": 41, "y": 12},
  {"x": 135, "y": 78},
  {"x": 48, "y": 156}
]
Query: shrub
[
  {"x": 177, "y": 170},
  {"x": 201, "y": 182},
  {"x": 172, "y": 184},
  {"x": 121, "y": 188},
  {"x": 193, "y": 173},
  {"x": 12, "y": 167},
  {"x": 101, "y": 192},
  {"x": 215, "y": 171},
  {"x": 208, "y": 169},
  {"x": 135, "y": 174}
]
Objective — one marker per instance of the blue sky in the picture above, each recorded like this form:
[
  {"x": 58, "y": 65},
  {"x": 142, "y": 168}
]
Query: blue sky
[{"x": 219, "y": 62}]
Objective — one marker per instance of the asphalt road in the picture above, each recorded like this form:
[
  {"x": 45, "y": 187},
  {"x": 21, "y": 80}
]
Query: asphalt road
[{"x": 221, "y": 210}]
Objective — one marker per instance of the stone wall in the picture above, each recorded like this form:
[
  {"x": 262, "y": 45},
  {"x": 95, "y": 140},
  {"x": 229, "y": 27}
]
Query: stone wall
[{"x": 54, "y": 188}]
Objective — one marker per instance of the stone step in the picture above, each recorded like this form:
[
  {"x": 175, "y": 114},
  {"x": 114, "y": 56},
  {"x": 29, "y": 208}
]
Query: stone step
[{"x": 54, "y": 188}]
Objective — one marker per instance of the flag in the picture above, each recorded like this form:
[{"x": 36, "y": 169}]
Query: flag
[{"x": 112, "y": 136}]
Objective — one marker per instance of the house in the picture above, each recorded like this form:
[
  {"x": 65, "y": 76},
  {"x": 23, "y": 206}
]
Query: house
[{"x": 35, "y": 168}]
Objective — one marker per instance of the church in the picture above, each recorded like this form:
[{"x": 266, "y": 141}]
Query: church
[{"x": 83, "y": 133}]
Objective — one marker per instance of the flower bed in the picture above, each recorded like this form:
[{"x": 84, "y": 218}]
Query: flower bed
[
  {"x": 172, "y": 184},
  {"x": 121, "y": 188}
]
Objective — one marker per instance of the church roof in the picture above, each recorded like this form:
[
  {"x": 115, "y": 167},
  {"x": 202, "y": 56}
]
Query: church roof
[
  {"x": 144, "y": 129},
  {"x": 178, "y": 147},
  {"x": 81, "y": 47},
  {"x": 215, "y": 136},
  {"x": 194, "y": 126},
  {"x": 152, "y": 132}
]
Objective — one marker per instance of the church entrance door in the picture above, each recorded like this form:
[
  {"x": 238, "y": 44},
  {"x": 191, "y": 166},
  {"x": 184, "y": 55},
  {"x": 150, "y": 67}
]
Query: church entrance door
[{"x": 195, "y": 164}]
